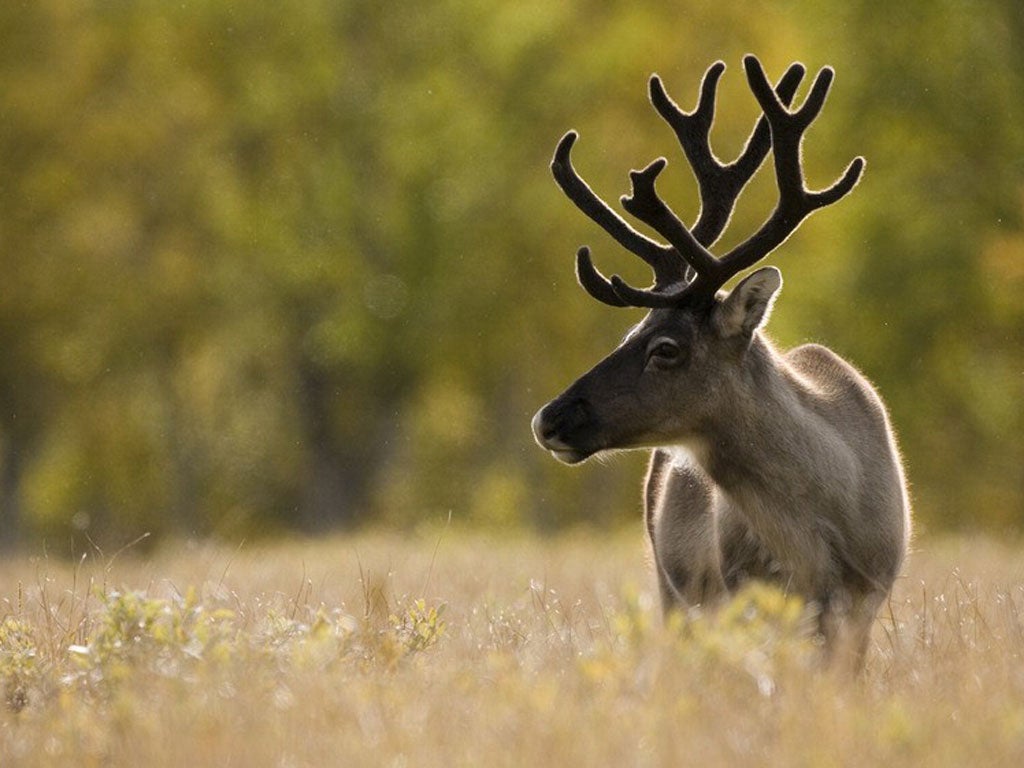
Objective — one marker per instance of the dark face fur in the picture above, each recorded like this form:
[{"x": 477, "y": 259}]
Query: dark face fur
[
  {"x": 666, "y": 360},
  {"x": 663, "y": 383}
]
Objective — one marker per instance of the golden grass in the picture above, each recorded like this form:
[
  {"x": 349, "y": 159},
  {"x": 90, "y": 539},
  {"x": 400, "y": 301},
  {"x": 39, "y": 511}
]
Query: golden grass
[{"x": 545, "y": 652}]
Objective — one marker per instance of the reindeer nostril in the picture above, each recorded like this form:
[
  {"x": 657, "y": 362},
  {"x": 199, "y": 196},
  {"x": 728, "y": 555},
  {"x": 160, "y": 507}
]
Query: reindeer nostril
[
  {"x": 559, "y": 422},
  {"x": 543, "y": 430}
]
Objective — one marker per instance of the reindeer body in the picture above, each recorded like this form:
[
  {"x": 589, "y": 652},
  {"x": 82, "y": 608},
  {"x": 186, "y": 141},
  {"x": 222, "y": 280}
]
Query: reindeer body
[
  {"x": 816, "y": 503},
  {"x": 765, "y": 465}
]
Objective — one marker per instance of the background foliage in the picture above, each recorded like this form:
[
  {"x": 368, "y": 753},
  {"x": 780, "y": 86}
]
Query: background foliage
[{"x": 301, "y": 264}]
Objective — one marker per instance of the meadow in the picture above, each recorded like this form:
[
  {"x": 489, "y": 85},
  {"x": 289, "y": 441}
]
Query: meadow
[{"x": 448, "y": 647}]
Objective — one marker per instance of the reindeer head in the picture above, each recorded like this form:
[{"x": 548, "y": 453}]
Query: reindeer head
[{"x": 683, "y": 362}]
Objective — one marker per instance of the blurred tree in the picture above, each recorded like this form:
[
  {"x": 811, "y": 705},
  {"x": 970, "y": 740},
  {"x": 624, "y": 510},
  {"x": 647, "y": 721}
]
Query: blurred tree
[{"x": 302, "y": 263}]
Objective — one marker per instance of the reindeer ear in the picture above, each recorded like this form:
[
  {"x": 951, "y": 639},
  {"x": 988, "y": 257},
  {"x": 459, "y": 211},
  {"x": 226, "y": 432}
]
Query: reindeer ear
[{"x": 747, "y": 308}]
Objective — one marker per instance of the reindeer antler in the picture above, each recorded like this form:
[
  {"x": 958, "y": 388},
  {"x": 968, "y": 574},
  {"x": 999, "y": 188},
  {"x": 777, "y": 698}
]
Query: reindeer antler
[{"x": 720, "y": 186}]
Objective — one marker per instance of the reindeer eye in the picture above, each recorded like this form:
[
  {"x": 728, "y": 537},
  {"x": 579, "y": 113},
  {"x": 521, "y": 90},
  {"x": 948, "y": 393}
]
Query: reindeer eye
[{"x": 663, "y": 350}]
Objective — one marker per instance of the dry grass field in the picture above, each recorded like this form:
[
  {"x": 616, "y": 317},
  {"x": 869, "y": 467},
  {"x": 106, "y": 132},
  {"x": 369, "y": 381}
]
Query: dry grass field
[{"x": 450, "y": 648}]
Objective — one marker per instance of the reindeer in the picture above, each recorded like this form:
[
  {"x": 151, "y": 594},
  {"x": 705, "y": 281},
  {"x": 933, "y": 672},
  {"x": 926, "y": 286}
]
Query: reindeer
[{"x": 770, "y": 465}]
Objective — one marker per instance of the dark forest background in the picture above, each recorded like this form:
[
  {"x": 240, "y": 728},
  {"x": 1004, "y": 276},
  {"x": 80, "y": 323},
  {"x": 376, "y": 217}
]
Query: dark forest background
[{"x": 300, "y": 265}]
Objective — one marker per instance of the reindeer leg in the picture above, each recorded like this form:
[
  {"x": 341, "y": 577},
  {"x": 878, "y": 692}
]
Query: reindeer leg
[{"x": 684, "y": 539}]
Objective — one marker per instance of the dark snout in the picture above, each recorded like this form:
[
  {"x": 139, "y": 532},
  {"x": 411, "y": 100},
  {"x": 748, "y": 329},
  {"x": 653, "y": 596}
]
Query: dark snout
[{"x": 566, "y": 427}]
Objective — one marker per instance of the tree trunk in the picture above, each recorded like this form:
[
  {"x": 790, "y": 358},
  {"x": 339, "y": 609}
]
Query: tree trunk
[
  {"x": 10, "y": 495},
  {"x": 337, "y": 483}
]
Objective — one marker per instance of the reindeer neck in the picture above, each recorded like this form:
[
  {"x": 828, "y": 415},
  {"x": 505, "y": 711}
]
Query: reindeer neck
[{"x": 761, "y": 439}]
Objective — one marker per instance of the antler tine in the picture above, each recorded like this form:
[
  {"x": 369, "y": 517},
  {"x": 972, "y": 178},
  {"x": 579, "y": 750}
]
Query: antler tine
[
  {"x": 796, "y": 202},
  {"x": 666, "y": 265},
  {"x": 647, "y": 206},
  {"x": 720, "y": 184},
  {"x": 594, "y": 283}
]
